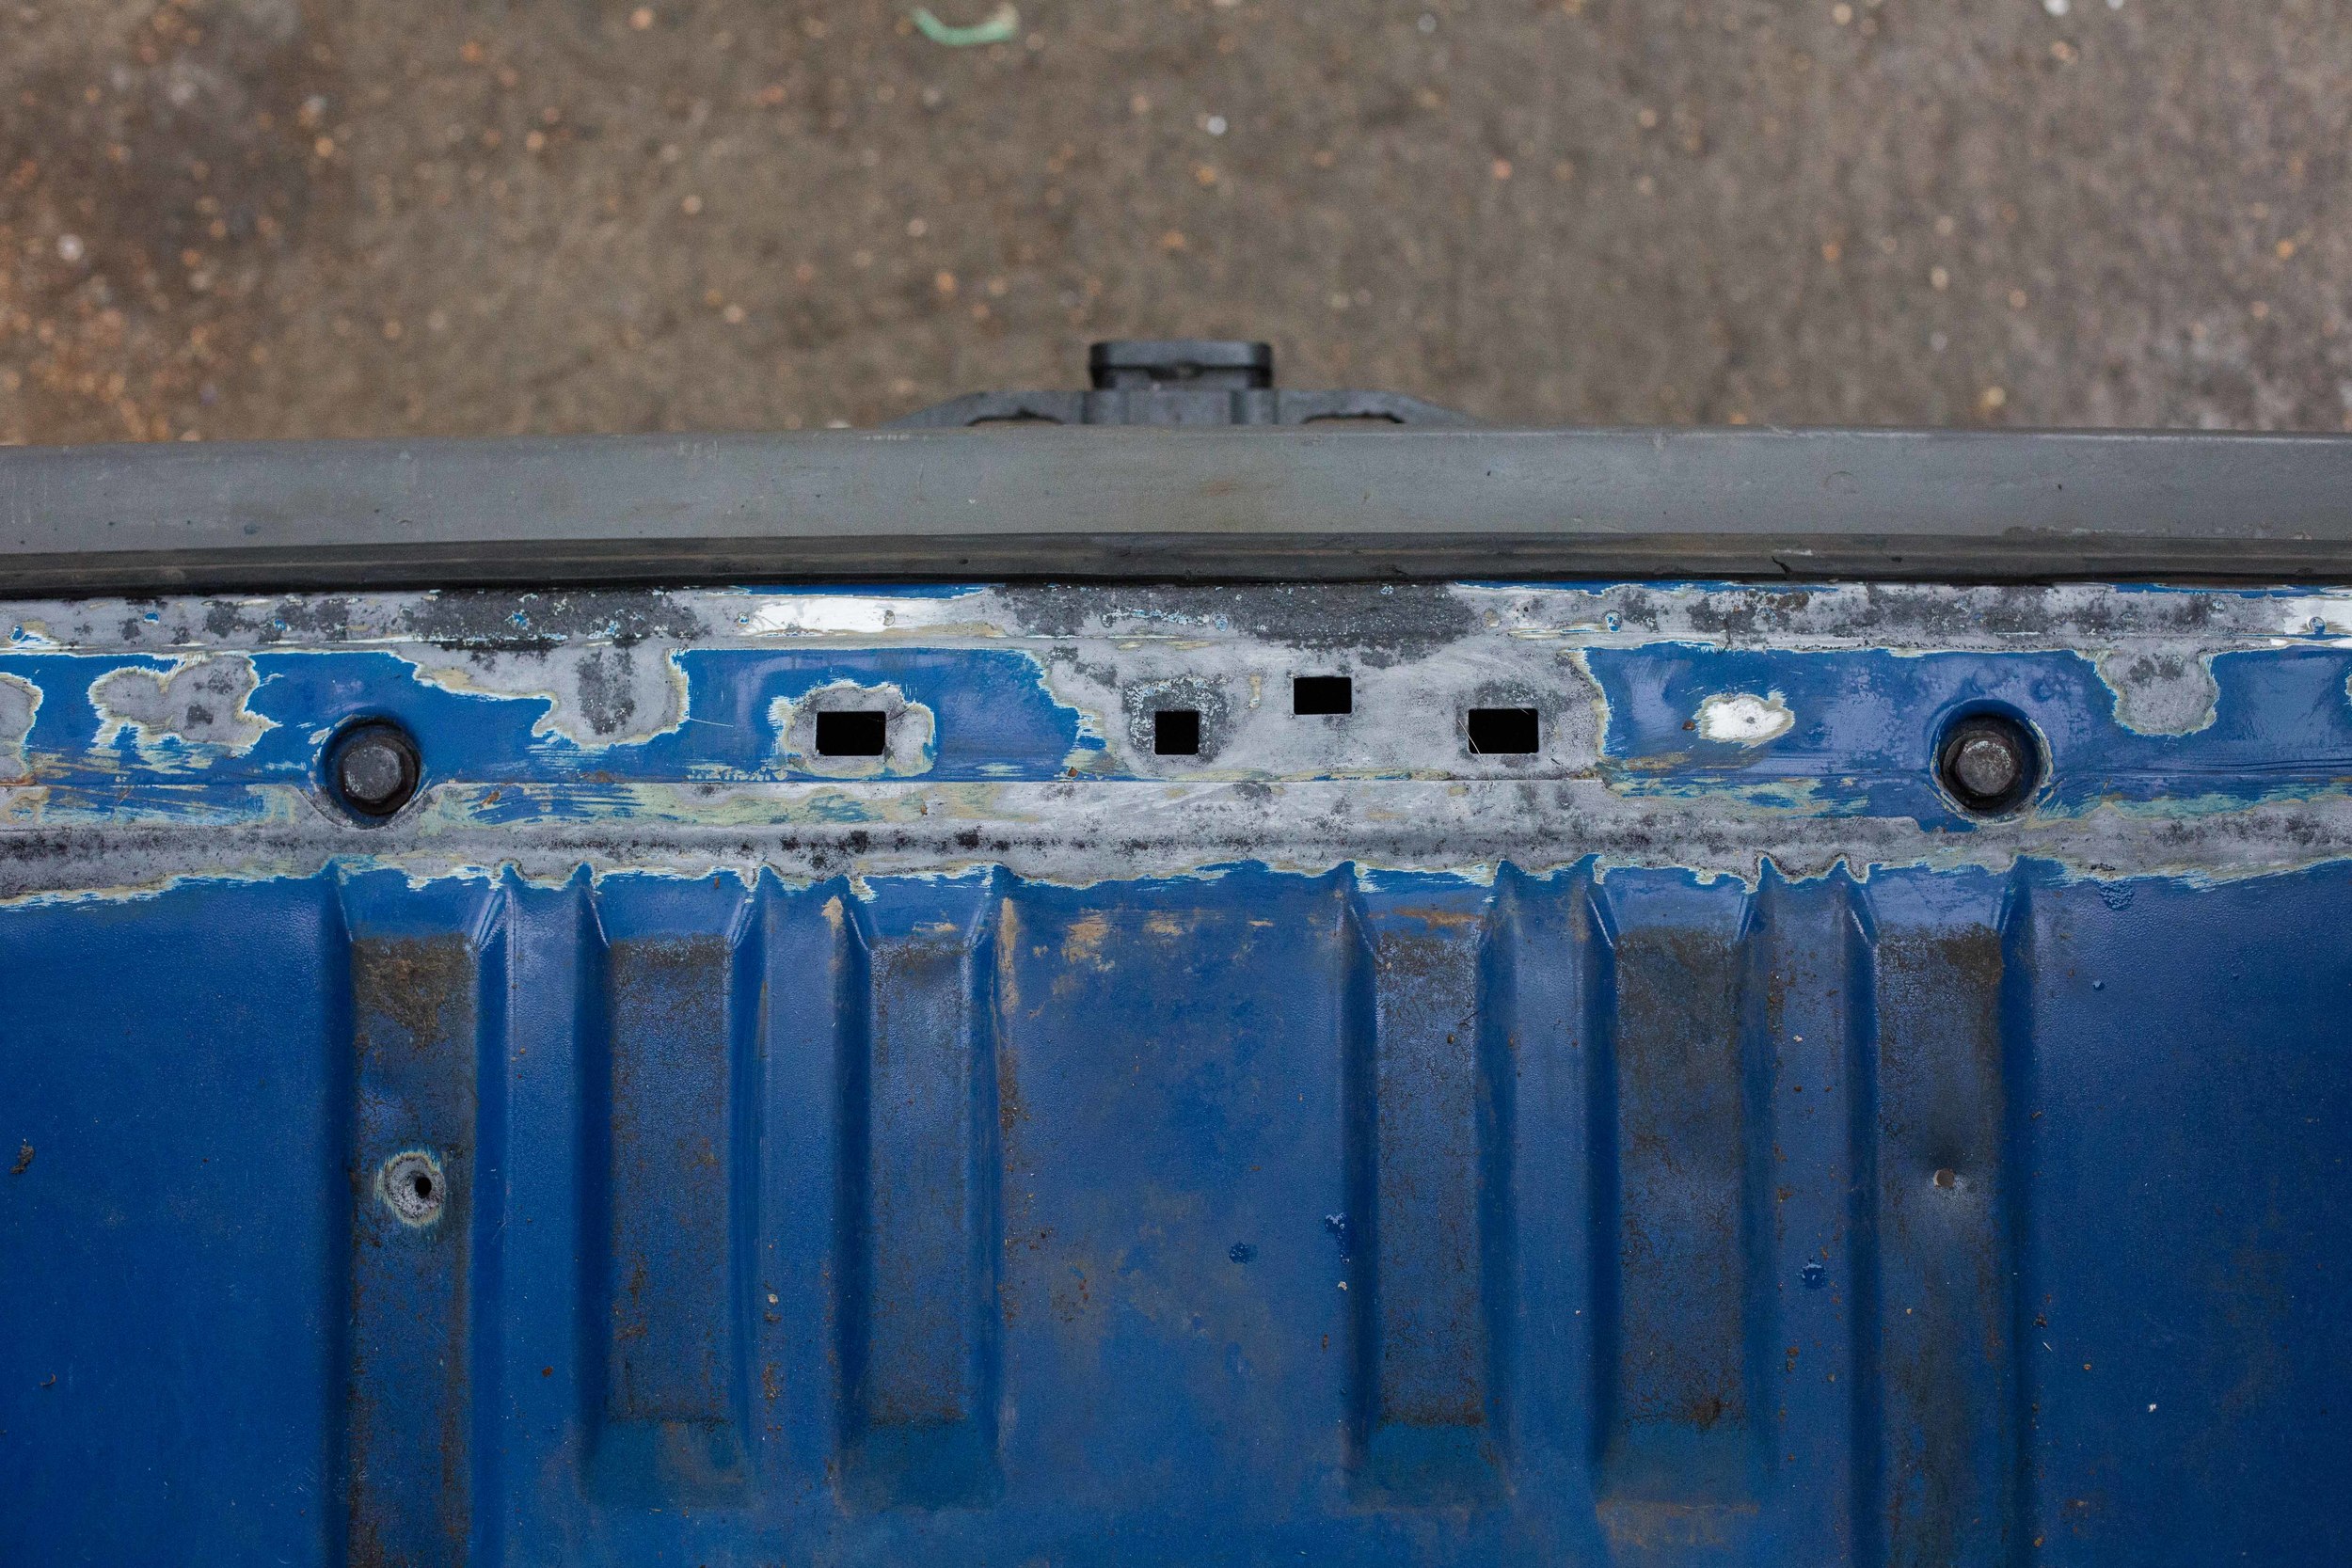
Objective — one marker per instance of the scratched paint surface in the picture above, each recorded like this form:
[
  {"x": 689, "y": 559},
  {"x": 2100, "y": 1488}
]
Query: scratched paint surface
[{"x": 1696, "y": 1140}]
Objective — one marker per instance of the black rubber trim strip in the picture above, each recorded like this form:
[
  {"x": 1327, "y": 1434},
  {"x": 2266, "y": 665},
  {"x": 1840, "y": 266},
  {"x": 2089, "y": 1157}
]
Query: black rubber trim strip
[{"x": 1123, "y": 504}]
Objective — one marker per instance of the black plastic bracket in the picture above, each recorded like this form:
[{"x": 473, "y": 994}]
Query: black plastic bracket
[{"x": 1182, "y": 381}]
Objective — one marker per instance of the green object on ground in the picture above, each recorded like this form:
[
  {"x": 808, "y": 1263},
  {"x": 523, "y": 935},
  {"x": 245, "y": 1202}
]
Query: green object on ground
[{"x": 1002, "y": 26}]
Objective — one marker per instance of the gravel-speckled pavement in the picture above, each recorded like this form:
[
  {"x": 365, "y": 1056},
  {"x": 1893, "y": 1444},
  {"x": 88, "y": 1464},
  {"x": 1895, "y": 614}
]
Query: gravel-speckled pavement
[{"x": 306, "y": 217}]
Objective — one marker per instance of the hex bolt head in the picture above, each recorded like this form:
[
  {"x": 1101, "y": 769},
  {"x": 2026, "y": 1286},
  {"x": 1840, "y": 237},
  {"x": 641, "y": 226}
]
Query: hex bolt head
[
  {"x": 1989, "y": 763},
  {"x": 373, "y": 768},
  {"x": 1985, "y": 765}
]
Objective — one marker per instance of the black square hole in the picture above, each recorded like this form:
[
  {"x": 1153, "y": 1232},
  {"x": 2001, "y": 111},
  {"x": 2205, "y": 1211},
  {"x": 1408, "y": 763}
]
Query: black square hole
[
  {"x": 1502, "y": 731},
  {"x": 1176, "y": 731},
  {"x": 1321, "y": 694},
  {"x": 851, "y": 732}
]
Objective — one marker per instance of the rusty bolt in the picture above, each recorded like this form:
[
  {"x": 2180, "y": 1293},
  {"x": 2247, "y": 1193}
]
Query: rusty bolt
[
  {"x": 1988, "y": 762},
  {"x": 373, "y": 768}
]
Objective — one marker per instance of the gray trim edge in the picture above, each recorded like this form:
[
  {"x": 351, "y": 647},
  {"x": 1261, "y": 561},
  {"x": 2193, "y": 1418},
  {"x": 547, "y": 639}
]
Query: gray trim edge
[{"x": 1143, "y": 504}]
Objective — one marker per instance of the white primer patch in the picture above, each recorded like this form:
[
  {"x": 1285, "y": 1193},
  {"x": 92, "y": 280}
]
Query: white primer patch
[
  {"x": 20, "y": 704},
  {"x": 2160, "y": 689},
  {"x": 855, "y": 615},
  {"x": 596, "y": 697},
  {"x": 1741, "y": 719},
  {"x": 2315, "y": 616},
  {"x": 911, "y": 732},
  {"x": 186, "y": 716}
]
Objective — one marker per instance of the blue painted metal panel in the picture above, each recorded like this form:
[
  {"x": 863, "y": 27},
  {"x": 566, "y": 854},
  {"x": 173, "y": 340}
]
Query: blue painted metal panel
[
  {"x": 1547, "y": 1194},
  {"x": 175, "y": 1240}
]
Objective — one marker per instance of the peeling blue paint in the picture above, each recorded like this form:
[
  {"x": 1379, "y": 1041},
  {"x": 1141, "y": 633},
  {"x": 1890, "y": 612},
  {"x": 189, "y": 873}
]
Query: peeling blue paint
[
  {"x": 1648, "y": 1149},
  {"x": 995, "y": 719},
  {"x": 1866, "y": 725}
]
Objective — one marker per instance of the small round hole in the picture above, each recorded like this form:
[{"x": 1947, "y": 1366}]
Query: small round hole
[
  {"x": 1947, "y": 1178},
  {"x": 411, "y": 1185}
]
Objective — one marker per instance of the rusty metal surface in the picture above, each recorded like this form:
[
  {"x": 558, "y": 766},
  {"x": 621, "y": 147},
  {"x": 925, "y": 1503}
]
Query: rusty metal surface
[{"x": 1703, "y": 1138}]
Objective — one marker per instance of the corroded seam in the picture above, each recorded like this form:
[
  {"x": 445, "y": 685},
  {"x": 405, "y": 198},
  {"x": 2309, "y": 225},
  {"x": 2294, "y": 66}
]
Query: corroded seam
[
  {"x": 604, "y": 668},
  {"x": 1099, "y": 832}
]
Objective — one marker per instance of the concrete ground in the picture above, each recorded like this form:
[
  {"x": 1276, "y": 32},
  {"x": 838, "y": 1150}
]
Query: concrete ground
[{"x": 356, "y": 217}]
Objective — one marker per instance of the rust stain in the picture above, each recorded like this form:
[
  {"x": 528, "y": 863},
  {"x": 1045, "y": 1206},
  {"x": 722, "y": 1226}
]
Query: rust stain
[
  {"x": 1429, "y": 1162},
  {"x": 414, "y": 984},
  {"x": 1681, "y": 1132},
  {"x": 1941, "y": 1097},
  {"x": 1081, "y": 940},
  {"x": 1654, "y": 1526},
  {"x": 413, "y": 1038},
  {"x": 1071, "y": 1295},
  {"x": 1439, "y": 917},
  {"x": 668, "y": 1002},
  {"x": 1010, "y": 1110}
]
